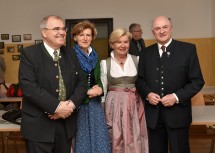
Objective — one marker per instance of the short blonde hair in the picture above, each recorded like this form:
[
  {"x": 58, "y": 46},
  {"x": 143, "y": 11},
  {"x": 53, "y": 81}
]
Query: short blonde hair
[
  {"x": 117, "y": 33},
  {"x": 81, "y": 26}
]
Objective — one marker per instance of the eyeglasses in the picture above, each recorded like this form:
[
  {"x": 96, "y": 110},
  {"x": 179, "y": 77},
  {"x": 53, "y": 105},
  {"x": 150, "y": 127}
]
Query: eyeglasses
[
  {"x": 138, "y": 31},
  {"x": 57, "y": 29}
]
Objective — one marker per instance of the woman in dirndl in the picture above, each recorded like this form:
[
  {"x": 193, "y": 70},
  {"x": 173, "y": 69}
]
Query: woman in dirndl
[{"x": 124, "y": 108}]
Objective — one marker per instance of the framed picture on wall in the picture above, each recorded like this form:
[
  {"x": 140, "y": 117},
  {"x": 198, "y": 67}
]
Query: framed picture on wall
[
  {"x": 1, "y": 45},
  {"x": 4, "y": 36},
  {"x": 15, "y": 57},
  {"x": 27, "y": 36},
  {"x": 10, "y": 49},
  {"x": 16, "y": 38},
  {"x": 19, "y": 48}
]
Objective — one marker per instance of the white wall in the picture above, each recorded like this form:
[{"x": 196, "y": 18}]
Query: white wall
[{"x": 192, "y": 18}]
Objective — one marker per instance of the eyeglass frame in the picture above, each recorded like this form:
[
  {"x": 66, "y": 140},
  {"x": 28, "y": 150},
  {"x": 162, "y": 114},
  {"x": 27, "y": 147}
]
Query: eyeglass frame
[
  {"x": 138, "y": 31},
  {"x": 57, "y": 29}
]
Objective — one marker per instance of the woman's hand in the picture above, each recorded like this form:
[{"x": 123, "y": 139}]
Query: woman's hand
[{"x": 94, "y": 91}]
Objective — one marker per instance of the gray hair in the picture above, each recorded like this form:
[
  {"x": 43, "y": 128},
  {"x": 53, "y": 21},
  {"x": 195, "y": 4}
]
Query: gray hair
[
  {"x": 43, "y": 23},
  {"x": 152, "y": 21},
  {"x": 132, "y": 26}
]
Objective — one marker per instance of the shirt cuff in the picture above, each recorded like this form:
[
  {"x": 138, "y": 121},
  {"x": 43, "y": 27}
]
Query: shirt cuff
[
  {"x": 57, "y": 107},
  {"x": 73, "y": 105},
  {"x": 177, "y": 100}
]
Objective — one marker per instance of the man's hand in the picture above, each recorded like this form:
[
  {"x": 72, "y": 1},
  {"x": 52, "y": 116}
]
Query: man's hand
[
  {"x": 57, "y": 116},
  {"x": 64, "y": 109},
  {"x": 153, "y": 98},
  {"x": 168, "y": 100},
  {"x": 54, "y": 116}
]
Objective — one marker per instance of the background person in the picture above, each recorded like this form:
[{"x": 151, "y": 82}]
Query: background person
[
  {"x": 92, "y": 135},
  {"x": 137, "y": 43},
  {"x": 168, "y": 77},
  {"x": 123, "y": 106},
  {"x": 53, "y": 87}
]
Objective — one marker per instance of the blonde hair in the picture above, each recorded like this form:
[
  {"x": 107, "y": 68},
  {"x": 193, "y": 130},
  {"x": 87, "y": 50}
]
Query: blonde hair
[{"x": 117, "y": 33}]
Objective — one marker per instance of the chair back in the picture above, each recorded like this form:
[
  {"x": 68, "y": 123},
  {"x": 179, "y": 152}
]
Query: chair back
[{"x": 198, "y": 99}]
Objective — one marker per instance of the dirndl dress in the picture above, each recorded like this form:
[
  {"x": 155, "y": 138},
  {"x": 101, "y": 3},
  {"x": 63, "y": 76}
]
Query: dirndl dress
[
  {"x": 125, "y": 116},
  {"x": 92, "y": 134}
]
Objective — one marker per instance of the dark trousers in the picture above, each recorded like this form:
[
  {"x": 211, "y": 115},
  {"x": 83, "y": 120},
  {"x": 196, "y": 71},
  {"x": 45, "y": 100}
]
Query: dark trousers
[
  {"x": 60, "y": 145},
  {"x": 162, "y": 136}
]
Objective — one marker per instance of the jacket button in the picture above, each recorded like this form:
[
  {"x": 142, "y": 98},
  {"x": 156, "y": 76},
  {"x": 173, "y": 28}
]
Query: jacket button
[
  {"x": 57, "y": 76},
  {"x": 57, "y": 90}
]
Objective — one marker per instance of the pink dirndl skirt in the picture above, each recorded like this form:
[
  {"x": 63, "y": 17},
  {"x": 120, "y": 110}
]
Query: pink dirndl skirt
[{"x": 126, "y": 122}]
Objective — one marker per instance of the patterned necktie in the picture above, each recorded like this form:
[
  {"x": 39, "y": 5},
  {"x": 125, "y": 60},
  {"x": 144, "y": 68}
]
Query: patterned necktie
[
  {"x": 62, "y": 89},
  {"x": 164, "y": 50}
]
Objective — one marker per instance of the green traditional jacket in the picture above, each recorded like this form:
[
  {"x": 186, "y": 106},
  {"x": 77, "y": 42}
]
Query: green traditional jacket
[{"x": 97, "y": 81}]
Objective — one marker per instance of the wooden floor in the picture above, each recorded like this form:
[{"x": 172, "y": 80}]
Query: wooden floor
[{"x": 197, "y": 146}]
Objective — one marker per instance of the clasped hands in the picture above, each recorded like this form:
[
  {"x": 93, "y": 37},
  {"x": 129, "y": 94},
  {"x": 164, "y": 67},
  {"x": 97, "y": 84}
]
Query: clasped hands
[
  {"x": 64, "y": 110},
  {"x": 167, "y": 101},
  {"x": 94, "y": 91}
]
